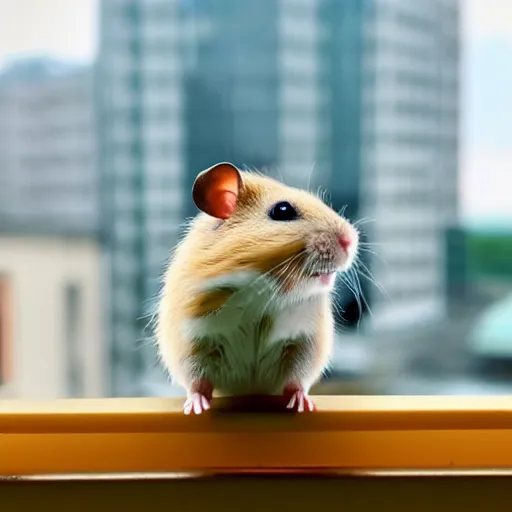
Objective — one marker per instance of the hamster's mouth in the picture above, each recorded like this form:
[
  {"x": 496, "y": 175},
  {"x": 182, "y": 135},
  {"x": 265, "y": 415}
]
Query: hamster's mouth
[{"x": 324, "y": 277}]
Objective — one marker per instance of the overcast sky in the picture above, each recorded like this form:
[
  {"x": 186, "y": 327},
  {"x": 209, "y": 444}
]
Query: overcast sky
[{"x": 68, "y": 28}]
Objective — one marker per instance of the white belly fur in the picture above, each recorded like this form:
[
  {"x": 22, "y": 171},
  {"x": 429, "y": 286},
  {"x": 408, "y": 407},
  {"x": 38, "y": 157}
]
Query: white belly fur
[{"x": 250, "y": 358}]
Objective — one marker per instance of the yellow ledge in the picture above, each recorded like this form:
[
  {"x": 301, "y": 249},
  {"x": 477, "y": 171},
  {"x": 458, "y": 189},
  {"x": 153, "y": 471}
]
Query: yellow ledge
[{"x": 361, "y": 434}]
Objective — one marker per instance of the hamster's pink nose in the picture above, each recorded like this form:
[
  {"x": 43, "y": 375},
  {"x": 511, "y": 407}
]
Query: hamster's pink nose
[{"x": 345, "y": 242}]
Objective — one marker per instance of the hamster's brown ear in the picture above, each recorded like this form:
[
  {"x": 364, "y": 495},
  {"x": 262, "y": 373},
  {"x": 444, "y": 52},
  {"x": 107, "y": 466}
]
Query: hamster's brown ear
[{"x": 216, "y": 190}]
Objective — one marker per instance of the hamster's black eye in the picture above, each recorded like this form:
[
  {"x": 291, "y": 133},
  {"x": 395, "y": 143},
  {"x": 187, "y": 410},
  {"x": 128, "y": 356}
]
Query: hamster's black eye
[{"x": 283, "y": 211}]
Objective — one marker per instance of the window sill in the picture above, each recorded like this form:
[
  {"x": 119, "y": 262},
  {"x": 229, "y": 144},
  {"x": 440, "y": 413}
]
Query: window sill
[{"x": 349, "y": 435}]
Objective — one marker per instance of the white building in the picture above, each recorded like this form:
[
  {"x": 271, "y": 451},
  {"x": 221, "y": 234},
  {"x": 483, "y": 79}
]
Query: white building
[
  {"x": 139, "y": 93},
  {"x": 51, "y": 337},
  {"x": 410, "y": 153},
  {"x": 48, "y": 171}
]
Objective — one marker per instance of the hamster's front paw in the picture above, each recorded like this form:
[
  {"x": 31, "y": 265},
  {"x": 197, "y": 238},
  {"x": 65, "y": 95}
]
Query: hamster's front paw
[
  {"x": 196, "y": 403},
  {"x": 299, "y": 399},
  {"x": 199, "y": 396}
]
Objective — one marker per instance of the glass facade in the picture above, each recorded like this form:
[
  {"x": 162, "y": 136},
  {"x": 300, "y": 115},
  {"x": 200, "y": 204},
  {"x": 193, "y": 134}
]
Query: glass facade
[
  {"x": 409, "y": 166},
  {"x": 140, "y": 125}
]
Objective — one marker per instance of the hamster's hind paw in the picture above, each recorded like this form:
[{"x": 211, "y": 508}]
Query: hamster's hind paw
[
  {"x": 196, "y": 403},
  {"x": 301, "y": 402}
]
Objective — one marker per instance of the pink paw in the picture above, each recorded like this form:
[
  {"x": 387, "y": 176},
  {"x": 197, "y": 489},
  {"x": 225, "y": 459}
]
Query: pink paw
[
  {"x": 301, "y": 401},
  {"x": 196, "y": 403}
]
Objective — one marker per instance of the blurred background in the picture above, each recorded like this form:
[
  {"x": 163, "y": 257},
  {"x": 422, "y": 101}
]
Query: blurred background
[{"x": 400, "y": 109}]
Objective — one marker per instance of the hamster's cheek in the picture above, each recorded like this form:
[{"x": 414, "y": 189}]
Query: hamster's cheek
[{"x": 237, "y": 279}]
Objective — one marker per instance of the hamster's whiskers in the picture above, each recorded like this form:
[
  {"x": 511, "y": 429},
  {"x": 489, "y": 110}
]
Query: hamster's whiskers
[
  {"x": 366, "y": 273},
  {"x": 277, "y": 288},
  {"x": 296, "y": 276},
  {"x": 274, "y": 286}
]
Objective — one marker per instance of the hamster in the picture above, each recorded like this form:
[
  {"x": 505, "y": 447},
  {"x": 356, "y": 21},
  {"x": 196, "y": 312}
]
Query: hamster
[{"x": 246, "y": 304}]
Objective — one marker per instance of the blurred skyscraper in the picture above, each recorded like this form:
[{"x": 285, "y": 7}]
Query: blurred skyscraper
[
  {"x": 408, "y": 129},
  {"x": 257, "y": 90},
  {"x": 51, "y": 339},
  {"x": 48, "y": 145},
  {"x": 139, "y": 98}
]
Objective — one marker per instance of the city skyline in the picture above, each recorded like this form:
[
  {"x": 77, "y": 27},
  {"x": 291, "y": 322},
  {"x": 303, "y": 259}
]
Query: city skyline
[
  {"x": 114, "y": 112},
  {"x": 486, "y": 145}
]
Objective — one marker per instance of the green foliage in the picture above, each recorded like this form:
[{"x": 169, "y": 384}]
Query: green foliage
[{"x": 490, "y": 254}]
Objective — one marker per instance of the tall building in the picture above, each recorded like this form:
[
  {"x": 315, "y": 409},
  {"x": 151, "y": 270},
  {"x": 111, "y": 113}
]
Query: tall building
[
  {"x": 51, "y": 336},
  {"x": 47, "y": 144},
  {"x": 395, "y": 66},
  {"x": 140, "y": 126},
  {"x": 256, "y": 87}
]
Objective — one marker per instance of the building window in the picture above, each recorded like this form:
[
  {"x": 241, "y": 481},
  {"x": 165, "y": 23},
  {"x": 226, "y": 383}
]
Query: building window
[
  {"x": 73, "y": 339},
  {"x": 5, "y": 329}
]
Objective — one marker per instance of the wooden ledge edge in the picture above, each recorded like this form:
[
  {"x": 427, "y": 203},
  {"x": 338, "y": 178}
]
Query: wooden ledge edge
[{"x": 255, "y": 414}]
